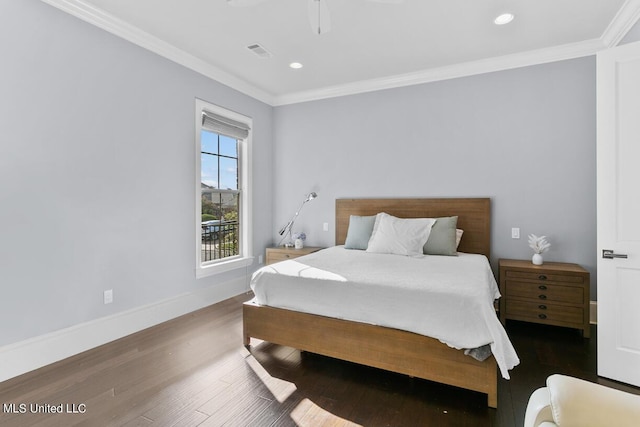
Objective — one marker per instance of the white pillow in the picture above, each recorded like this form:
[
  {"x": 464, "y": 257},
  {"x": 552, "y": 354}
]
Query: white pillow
[
  {"x": 458, "y": 236},
  {"x": 400, "y": 236}
]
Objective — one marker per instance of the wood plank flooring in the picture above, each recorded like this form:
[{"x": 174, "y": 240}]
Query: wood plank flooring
[{"x": 194, "y": 371}]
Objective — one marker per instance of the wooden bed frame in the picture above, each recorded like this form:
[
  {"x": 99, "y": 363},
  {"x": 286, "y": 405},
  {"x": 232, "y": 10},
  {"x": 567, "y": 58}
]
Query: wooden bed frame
[{"x": 386, "y": 348}]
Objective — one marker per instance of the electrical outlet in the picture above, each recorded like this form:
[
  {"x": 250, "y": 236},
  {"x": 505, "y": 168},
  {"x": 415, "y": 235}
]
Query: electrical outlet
[
  {"x": 108, "y": 296},
  {"x": 515, "y": 233},
  {"x": 259, "y": 259},
  {"x": 325, "y": 226}
]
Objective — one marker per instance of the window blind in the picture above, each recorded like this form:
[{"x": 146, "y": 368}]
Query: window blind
[{"x": 224, "y": 126}]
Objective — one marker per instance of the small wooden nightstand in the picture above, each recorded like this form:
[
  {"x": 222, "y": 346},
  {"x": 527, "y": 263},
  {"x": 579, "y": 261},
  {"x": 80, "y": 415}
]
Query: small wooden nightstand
[
  {"x": 281, "y": 253},
  {"x": 554, "y": 293}
]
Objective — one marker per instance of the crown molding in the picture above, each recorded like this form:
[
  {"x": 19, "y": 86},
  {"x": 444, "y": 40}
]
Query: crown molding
[
  {"x": 626, "y": 18},
  {"x": 507, "y": 62},
  {"x": 120, "y": 28}
]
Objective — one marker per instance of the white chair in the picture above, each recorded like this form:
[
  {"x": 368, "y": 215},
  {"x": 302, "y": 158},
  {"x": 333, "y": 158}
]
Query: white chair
[{"x": 572, "y": 402}]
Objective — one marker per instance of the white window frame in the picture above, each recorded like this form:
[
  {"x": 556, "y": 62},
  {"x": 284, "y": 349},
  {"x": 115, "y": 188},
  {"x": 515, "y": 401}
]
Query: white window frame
[{"x": 245, "y": 240}]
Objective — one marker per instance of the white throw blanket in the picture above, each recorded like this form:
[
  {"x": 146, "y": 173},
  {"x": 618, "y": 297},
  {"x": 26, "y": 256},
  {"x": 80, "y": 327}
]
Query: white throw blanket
[{"x": 443, "y": 297}]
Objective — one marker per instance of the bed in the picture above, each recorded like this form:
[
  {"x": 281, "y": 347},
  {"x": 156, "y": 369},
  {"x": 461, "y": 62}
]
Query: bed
[{"x": 384, "y": 347}]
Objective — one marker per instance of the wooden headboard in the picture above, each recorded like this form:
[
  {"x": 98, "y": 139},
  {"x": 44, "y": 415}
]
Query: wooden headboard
[{"x": 474, "y": 216}]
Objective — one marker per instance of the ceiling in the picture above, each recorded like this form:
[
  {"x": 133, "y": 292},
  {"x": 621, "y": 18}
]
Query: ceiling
[{"x": 371, "y": 45}]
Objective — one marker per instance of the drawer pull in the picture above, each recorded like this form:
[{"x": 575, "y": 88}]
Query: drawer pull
[
  {"x": 287, "y": 256},
  {"x": 542, "y": 307},
  {"x": 542, "y": 287},
  {"x": 542, "y": 277},
  {"x": 542, "y": 316},
  {"x": 542, "y": 296}
]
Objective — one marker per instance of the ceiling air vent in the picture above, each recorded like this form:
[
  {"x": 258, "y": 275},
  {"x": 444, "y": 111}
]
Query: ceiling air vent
[{"x": 259, "y": 50}]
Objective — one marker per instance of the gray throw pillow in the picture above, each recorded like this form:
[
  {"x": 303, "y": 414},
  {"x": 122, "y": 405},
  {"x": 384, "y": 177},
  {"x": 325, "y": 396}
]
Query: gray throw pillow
[
  {"x": 359, "y": 232},
  {"x": 442, "y": 240}
]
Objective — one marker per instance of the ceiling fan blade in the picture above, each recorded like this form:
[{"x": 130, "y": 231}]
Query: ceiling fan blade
[
  {"x": 319, "y": 18},
  {"x": 241, "y": 3}
]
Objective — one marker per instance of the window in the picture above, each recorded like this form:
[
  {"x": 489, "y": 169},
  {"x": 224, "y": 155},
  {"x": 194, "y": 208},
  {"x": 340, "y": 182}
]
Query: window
[{"x": 222, "y": 194}]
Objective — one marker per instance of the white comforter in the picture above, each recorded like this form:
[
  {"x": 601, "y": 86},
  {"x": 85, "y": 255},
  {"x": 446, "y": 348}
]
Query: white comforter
[{"x": 447, "y": 298}]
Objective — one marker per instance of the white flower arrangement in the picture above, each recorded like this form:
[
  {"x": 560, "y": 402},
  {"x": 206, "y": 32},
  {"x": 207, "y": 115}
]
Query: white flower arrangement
[
  {"x": 299, "y": 235},
  {"x": 538, "y": 244}
]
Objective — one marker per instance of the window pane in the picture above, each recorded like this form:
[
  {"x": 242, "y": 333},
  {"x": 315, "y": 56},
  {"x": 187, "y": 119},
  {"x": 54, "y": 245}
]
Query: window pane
[
  {"x": 209, "y": 142},
  {"x": 230, "y": 206},
  {"x": 228, "y": 174},
  {"x": 228, "y": 146},
  {"x": 209, "y": 170},
  {"x": 220, "y": 235},
  {"x": 230, "y": 210}
]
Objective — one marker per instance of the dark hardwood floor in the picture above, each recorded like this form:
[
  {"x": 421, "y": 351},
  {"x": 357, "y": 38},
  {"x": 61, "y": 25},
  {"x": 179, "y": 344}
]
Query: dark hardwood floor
[{"x": 193, "y": 370}]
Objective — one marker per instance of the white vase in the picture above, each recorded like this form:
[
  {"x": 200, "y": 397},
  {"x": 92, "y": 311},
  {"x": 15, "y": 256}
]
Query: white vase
[
  {"x": 537, "y": 259},
  {"x": 299, "y": 244}
]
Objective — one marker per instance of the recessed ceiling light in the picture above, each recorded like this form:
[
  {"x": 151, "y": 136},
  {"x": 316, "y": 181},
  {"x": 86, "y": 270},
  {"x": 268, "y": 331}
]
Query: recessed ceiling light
[
  {"x": 505, "y": 18},
  {"x": 295, "y": 65}
]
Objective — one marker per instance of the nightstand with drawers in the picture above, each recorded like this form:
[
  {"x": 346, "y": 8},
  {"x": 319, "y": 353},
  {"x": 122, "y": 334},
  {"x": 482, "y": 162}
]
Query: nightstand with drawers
[
  {"x": 554, "y": 293},
  {"x": 282, "y": 253}
]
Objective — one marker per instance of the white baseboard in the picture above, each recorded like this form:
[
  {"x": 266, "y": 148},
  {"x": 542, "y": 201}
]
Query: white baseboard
[
  {"x": 593, "y": 312},
  {"x": 24, "y": 356}
]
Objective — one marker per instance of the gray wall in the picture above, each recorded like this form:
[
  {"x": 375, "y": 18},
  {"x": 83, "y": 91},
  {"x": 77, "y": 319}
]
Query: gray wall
[
  {"x": 524, "y": 137},
  {"x": 97, "y": 164},
  {"x": 97, "y": 172}
]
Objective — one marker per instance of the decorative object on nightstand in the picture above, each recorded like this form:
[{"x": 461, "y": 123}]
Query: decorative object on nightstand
[
  {"x": 556, "y": 293},
  {"x": 287, "y": 229},
  {"x": 298, "y": 239},
  {"x": 282, "y": 253},
  {"x": 539, "y": 246}
]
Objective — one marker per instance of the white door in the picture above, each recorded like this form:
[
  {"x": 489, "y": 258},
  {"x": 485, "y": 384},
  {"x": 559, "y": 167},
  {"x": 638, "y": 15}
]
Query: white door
[{"x": 618, "y": 157}]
